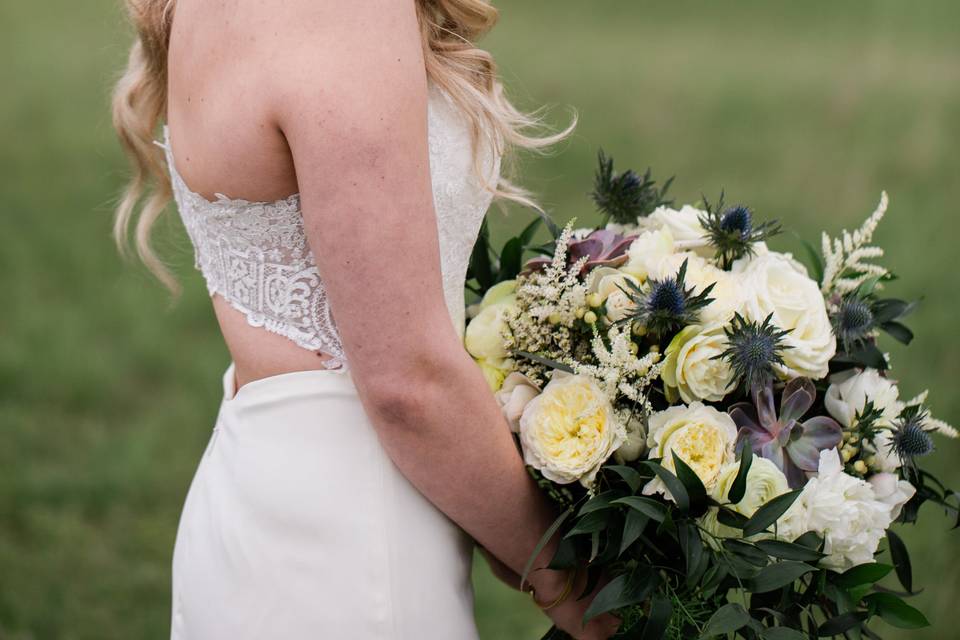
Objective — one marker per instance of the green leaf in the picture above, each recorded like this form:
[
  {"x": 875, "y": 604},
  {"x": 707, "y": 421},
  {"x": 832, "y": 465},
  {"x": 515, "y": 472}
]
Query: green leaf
[
  {"x": 782, "y": 633},
  {"x": 816, "y": 261},
  {"x": 633, "y": 527},
  {"x": 511, "y": 259},
  {"x": 895, "y": 611},
  {"x": 647, "y": 506},
  {"x": 788, "y": 551},
  {"x": 901, "y": 560},
  {"x": 726, "y": 619},
  {"x": 739, "y": 486},
  {"x": 862, "y": 574},
  {"x": 731, "y": 518},
  {"x": 526, "y": 236},
  {"x": 696, "y": 492},
  {"x": 660, "y": 613},
  {"x": 673, "y": 484},
  {"x": 547, "y": 362},
  {"x": 599, "y": 502},
  {"x": 691, "y": 544},
  {"x": 622, "y": 591},
  {"x": 547, "y": 535},
  {"x": 629, "y": 475},
  {"x": 778, "y": 575},
  {"x": 480, "y": 268},
  {"x": 590, "y": 523},
  {"x": 565, "y": 556},
  {"x": 769, "y": 513},
  {"x": 840, "y": 624},
  {"x": 747, "y": 551},
  {"x": 898, "y": 331}
]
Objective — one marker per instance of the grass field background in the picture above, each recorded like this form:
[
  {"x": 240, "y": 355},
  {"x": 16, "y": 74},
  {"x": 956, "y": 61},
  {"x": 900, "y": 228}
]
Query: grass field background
[{"x": 804, "y": 111}]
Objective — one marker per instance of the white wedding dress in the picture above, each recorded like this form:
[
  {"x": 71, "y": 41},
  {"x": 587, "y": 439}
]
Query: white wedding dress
[{"x": 297, "y": 525}]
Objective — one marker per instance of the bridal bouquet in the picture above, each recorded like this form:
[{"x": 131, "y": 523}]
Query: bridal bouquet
[{"x": 717, "y": 422}]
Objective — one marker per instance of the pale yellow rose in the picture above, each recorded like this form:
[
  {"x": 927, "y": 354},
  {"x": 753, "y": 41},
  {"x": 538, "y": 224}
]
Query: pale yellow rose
[
  {"x": 699, "y": 434},
  {"x": 486, "y": 333},
  {"x": 684, "y": 225},
  {"x": 693, "y": 365},
  {"x": 570, "y": 429},
  {"x": 494, "y": 373}
]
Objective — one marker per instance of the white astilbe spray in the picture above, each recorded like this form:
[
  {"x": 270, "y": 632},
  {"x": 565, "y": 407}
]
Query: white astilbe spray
[
  {"x": 846, "y": 258},
  {"x": 546, "y": 310},
  {"x": 618, "y": 371}
]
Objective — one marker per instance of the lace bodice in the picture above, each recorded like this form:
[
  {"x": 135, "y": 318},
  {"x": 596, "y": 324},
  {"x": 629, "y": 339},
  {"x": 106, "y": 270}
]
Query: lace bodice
[{"x": 255, "y": 254}]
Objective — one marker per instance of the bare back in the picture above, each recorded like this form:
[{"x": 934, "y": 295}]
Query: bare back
[{"x": 226, "y": 140}]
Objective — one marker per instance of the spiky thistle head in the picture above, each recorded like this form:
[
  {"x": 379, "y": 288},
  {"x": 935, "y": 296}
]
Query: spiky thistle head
[
  {"x": 732, "y": 232},
  {"x": 910, "y": 439},
  {"x": 754, "y": 348},
  {"x": 624, "y": 197},
  {"x": 667, "y": 305},
  {"x": 853, "y": 321}
]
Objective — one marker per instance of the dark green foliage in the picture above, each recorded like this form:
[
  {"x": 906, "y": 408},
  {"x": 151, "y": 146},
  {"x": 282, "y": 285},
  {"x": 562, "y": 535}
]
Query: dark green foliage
[{"x": 624, "y": 197}]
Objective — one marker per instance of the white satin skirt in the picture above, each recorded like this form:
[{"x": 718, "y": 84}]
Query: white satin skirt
[{"x": 298, "y": 526}]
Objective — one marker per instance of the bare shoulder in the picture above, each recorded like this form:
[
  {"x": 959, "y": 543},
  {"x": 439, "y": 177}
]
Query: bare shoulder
[{"x": 246, "y": 76}]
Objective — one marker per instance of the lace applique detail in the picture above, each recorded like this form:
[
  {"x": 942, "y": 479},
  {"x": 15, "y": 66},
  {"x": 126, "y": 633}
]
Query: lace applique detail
[{"x": 255, "y": 254}]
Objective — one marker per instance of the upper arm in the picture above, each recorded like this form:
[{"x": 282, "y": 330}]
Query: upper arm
[{"x": 352, "y": 103}]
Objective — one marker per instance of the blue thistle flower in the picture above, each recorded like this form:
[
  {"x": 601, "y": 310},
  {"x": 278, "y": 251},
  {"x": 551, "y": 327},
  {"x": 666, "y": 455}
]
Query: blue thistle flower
[
  {"x": 668, "y": 305},
  {"x": 853, "y": 321},
  {"x": 754, "y": 348},
  {"x": 910, "y": 440},
  {"x": 732, "y": 231},
  {"x": 624, "y": 197},
  {"x": 737, "y": 220}
]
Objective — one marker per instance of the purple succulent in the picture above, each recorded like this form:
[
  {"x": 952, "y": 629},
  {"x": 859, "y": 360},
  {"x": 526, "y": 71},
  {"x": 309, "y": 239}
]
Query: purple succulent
[
  {"x": 792, "y": 445},
  {"x": 603, "y": 248}
]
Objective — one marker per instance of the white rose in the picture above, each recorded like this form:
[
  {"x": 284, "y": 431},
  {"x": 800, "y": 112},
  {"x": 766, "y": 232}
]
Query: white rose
[
  {"x": 513, "y": 397},
  {"x": 570, "y": 430},
  {"x": 892, "y": 491},
  {"x": 842, "y": 509},
  {"x": 684, "y": 226},
  {"x": 701, "y": 273},
  {"x": 702, "y": 436},
  {"x": 848, "y": 394},
  {"x": 693, "y": 364},
  {"x": 636, "y": 442},
  {"x": 774, "y": 283},
  {"x": 647, "y": 253}
]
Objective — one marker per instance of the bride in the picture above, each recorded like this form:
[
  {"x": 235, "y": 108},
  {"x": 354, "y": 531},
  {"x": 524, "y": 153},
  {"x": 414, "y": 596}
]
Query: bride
[{"x": 353, "y": 463}]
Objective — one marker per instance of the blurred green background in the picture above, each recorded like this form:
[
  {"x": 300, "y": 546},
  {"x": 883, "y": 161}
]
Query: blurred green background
[{"x": 803, "y": 110}]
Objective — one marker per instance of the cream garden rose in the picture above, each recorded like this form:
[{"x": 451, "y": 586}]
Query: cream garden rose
[
  {"x": 647, "y": 254},
  {"x": 699, "y": 434},
  {"x": 693, "y": 367},
  {"x": 611, "y": 285},
  {"x": 570, "y": 429},
  {"x": 774, "y": 283}
]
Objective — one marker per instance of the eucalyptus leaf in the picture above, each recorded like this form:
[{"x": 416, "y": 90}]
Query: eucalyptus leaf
[
  {"x": 696, "y": 492},
  {"x": 895, "y": 611},
  {"x": 769, "y": 513},
  {"x": 633, "y": 528},
  {"x": 901, "y": 560},
  {"x": 676, "y": 488},
  {"x": 629, "y": 475},
  {"x": 623, "y": 591},
  {"x": 739, "y": 486},
  {"x": 788, "y": 550},
  {"x": 840, "y": 624},
  {"x": 778, "y": 575},
  {"x": 862, "y": 574},
  {"x": 661, "y": 610},
  {"x": 647, "y": 506},
  {"x": 727, "y": 619}
]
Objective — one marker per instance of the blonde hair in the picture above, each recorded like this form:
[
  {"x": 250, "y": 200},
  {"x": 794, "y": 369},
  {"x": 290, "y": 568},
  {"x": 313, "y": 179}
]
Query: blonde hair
[{"x": 448, "y": 30}]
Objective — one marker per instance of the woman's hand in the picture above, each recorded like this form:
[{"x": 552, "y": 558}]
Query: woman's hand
[{"x": 568, "y": 614}]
